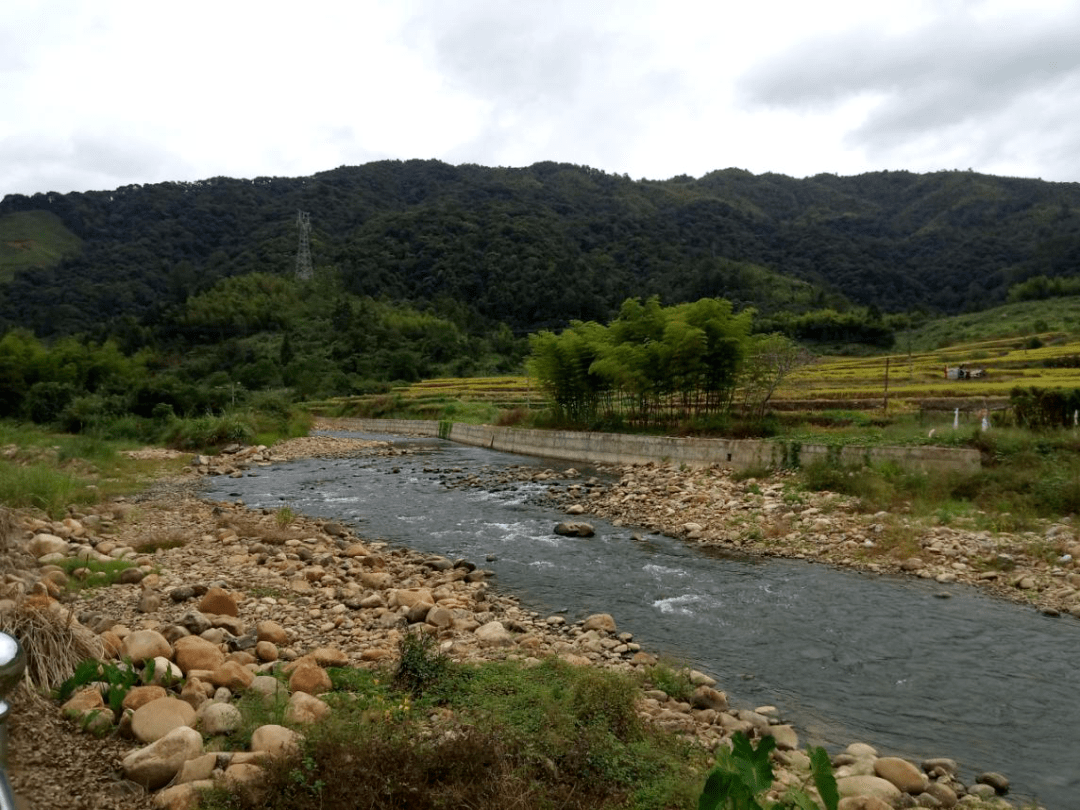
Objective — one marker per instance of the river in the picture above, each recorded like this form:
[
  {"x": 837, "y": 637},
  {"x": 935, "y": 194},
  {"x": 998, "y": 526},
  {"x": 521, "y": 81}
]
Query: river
[{"x": 845, "y": 656}]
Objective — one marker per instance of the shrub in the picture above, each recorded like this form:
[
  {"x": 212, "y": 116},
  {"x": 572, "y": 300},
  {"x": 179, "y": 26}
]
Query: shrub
[{"x": 420, "y": 665}]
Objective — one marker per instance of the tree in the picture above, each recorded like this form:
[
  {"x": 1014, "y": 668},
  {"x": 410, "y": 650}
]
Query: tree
[{"x": 769, "y": 359}]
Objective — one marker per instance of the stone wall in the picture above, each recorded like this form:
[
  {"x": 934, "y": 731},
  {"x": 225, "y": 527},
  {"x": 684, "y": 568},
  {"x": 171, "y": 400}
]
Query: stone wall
[{"x": 619, "y": 448}]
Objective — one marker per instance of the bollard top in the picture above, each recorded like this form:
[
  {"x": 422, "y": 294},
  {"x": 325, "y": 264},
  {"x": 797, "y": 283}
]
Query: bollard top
[{"x": 12, "y": 664}]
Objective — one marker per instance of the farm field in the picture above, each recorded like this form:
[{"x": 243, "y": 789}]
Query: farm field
[{"x": 1006, "y": 364}]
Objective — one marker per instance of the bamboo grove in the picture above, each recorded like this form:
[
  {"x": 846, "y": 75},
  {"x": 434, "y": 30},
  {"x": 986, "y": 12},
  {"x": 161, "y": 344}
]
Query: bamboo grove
[{"x": 650, "y": 365}]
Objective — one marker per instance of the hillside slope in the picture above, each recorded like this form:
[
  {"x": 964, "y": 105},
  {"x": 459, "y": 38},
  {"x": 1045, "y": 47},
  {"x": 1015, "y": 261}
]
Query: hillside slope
[{"x": 538, "y": 246}]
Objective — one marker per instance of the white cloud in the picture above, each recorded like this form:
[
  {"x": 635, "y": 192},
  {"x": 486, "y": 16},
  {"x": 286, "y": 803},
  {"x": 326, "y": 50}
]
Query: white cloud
[{"x": 120, "y": 91}]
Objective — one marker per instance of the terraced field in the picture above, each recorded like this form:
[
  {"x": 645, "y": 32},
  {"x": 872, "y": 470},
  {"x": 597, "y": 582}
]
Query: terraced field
[{"x": 1005, "y": 363}]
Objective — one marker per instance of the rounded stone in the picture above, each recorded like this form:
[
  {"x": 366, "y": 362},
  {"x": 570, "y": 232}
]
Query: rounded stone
[
  {"x": 869, "y": 786},
  {"x": 220, "y": 718},
  {"x": 272, "y": 632},
  {"x": 274, "y": 740},
  {"x": 195, "y": 652},
  {"x": 901, "y": 773},
  {"x": 311, "y": 679},
  {"x": 144, "y": 644},
  {"x": 156, "y": 764},
  {"x": 155, "y": 719}
]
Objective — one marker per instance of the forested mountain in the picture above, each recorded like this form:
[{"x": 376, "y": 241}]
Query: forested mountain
[{"x": 538, "y": 246}]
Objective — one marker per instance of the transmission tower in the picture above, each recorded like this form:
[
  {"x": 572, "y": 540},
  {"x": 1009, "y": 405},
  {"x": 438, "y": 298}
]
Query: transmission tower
[{"x": 304, "y": 272}]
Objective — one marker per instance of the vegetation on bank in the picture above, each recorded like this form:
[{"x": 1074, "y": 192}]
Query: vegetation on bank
[{"x": 431, "y": 733}]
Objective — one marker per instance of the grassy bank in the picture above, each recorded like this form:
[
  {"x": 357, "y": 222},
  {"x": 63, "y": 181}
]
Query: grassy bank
[
  {"x": 430, "y": 733},
  {"x": 50, "y": 471}
]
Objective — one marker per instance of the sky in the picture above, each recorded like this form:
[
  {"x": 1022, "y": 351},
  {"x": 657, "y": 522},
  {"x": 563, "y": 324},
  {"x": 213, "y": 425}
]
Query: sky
[{"x": 98, "y": 94}]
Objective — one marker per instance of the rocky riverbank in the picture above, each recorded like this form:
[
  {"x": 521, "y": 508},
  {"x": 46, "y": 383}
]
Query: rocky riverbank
[
  {"x": 226, "y": 595},
  {"x": 773, "y": 517}
]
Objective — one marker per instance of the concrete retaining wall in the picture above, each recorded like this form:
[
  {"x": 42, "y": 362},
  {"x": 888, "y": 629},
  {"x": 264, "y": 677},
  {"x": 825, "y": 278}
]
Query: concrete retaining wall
[
  {"x": 620, "y": 448},
  {"x": 406, "y": 427}
]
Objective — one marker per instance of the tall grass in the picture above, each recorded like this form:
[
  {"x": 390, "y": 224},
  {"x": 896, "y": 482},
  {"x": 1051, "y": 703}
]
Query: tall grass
[{"x": 40, "y": 486}]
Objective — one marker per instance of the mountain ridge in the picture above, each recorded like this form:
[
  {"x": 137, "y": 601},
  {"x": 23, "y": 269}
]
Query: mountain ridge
[{"x": 538, "y": 246}]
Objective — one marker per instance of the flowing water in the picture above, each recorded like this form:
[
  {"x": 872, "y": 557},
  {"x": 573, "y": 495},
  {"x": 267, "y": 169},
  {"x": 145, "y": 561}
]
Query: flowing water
[{"x": 845, "y": 656}]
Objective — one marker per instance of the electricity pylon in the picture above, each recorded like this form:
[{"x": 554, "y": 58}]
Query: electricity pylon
[{"x": 304, "y": 272}]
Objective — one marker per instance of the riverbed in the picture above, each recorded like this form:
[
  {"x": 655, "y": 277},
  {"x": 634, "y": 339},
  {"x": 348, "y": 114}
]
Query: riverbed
[{"x": 913, "y": 667}]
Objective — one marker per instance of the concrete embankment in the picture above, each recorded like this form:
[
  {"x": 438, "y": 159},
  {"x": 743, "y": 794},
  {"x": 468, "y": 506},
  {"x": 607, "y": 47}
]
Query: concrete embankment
[{"x": 620, "y": 448}]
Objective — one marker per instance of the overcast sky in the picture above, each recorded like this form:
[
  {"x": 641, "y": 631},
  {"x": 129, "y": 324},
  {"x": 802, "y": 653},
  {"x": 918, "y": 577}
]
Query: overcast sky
[{"x": 96, "y": 94}]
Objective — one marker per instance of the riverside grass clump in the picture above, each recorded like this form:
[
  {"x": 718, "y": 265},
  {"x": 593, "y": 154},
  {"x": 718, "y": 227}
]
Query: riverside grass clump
[
  {"x": 53, "y": 641},
  {"x": 432, "y": 733}
]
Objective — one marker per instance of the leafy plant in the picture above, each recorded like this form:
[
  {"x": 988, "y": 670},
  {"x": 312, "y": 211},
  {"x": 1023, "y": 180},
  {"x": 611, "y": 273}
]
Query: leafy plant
[
  {"x": 743, "y": 774},
  {"x": 117, "y": 678},
  {"x": 420, "y": 665}
]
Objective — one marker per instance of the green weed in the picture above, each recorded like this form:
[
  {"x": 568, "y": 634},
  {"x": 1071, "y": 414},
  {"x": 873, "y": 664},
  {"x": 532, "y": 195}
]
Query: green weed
[
  {"x": 743, "y": 775},
  {"x": 84, "y": 574}
]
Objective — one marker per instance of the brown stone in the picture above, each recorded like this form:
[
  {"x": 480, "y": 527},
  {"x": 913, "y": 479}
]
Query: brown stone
[
  {"x": 144, "y": 644},
  {"x": 232, "y": 676},
  {"x": 329, "y": 657},
  {"x": 219, "y": 600},
  {"x": 156, "y": 764},
  {"x": 272, "y": 632},
  {"x": 311, "y": 679},
  {"x": 193, "y": 652},
  {"x": 304, "y": 709},
  {"x": 266, "y": 651},
  {"x": 139, "y": 696},
  {"x": 903, "y": 774}
]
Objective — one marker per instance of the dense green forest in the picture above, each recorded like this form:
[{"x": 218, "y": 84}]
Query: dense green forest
[{"x": 539, "y": 246}]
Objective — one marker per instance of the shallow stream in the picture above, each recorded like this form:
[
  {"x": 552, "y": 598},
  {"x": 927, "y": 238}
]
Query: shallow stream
[{"x": 844, "y": 656}]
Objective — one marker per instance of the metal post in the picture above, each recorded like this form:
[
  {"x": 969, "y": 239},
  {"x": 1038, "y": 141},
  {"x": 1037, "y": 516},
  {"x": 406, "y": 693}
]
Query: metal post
[{"x": 12, "y": 666}]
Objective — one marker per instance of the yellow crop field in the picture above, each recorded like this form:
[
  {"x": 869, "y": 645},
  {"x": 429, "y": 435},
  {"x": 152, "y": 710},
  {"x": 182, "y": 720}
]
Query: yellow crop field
[{"x": 1004, "y": 363}]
